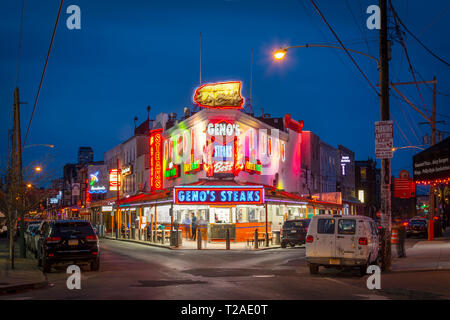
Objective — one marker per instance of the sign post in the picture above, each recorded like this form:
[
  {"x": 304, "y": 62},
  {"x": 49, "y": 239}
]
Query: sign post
[{"x": 383, "y": 150}]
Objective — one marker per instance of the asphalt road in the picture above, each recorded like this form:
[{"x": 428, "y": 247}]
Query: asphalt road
[{"x": 134, "y": 271}]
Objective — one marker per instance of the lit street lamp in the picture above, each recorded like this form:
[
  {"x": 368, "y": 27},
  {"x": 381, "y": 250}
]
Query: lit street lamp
[
  {"x": 407, "y": 147},
  {"x": 281, "y": 53},
  {"x": 38, "y": 145},
  {"x": 38, "y": 169}
]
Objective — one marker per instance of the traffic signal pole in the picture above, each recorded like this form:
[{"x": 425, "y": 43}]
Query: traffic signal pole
[{"x": 385, "y": 163}]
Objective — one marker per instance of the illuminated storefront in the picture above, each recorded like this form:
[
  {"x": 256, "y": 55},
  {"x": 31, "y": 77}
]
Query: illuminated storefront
[{"x": 229, "y": 169}]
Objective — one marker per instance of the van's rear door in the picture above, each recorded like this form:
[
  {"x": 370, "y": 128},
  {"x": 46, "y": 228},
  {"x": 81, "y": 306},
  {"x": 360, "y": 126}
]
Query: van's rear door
[
  {"x": 324, "y": 238},
  {"x": 346, "y": 238}
]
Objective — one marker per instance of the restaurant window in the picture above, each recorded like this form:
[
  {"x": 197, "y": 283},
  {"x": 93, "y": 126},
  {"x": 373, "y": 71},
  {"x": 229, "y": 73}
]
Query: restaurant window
[
  {"x": 363, "y": 173},
  {"x": 242, "y": 215}
]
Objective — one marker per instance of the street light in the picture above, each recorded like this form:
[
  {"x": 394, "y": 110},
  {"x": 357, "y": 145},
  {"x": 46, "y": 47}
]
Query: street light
[
  {"x": 406, "y": 147},
  {"x": 40, "y": 144},
  {"x": 38, "y": 169},
  {"x": 29, "y": 185},
  {"x": 281, "y": 53}
]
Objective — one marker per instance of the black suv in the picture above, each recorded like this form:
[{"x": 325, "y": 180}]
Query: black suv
[
  {"x": 294, "y": 232},
  {"x": 64, "y": 241}
]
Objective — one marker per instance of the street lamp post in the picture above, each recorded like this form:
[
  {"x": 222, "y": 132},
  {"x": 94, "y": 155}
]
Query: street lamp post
[
  {"x": 383, "y": 67},
  {"x": 281, "y": 53}
]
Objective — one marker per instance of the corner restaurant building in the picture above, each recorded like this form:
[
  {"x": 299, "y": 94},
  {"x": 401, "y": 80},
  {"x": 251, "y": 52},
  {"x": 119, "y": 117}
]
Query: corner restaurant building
[{"x": 228, "y": 168}]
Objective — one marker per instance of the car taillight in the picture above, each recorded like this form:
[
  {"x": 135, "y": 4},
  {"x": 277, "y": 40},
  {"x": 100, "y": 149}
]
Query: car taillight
[
  {"x": 363, "y": 241},
  {"x": 91, "y": 238},
  {"x": 53, "y": 240},
  {"x": 94, "y": 253},
  {"x": 309, "y": 239}
]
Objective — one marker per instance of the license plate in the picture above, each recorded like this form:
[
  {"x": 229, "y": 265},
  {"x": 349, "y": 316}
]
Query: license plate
[
  {"x": 335, "y": 261},
  {"x": 73, "y": 242},
  {"x": 293, "y": 231}
]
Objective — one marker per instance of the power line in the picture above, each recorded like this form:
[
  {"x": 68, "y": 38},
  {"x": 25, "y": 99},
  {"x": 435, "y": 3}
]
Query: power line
[
  {"x": 342, "y": 45},
  {"x": 417, "y": 39},
  {"x": 400, "y": 129},
  {"x": 358, "y": 25},
  {"x": 408, "y": 59},
  {"x": 429, "y": 87},
  {"x": 435, "y": 20},
  {"x": 43, "y": 71}
]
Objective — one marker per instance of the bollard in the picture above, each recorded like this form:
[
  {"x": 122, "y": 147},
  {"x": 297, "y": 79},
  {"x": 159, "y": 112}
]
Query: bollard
[
  {"x": 228, "y": 240},
  {"x": 267, "y": 239},
  {"x": 199, "y": 240},
  {"x": 256, "y": 239}
]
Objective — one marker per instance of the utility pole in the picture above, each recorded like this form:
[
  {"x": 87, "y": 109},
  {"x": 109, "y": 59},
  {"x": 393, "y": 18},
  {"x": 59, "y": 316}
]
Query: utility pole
[
  {"x": 19, "y": 174},
  {"x": 117, "y": 209},
  {"x": 385, "y": 163},
  {"x": 433, "y": 141}
]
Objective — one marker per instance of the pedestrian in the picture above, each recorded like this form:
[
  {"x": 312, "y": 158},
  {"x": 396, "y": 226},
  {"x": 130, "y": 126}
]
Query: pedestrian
[
  {"x": 187, "y": 226},
  {"x": 194, "y": 227},
  {"x": 401, "y": 241}
]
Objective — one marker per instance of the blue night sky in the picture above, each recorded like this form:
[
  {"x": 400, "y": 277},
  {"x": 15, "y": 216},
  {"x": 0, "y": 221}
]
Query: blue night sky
[{"x": 130, "y": 54}]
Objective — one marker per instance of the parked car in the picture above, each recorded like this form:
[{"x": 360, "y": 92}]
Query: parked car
[
  {"x": 68, "y": 241},
  {"x": 341, "y": 241},
  {"x": 417, "y": 226},
  {"x": 294, "y": 232}
]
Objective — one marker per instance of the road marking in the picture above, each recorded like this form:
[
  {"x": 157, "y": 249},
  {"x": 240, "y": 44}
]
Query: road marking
[
  {"x": 372, "y": 297},
  {"x": 263, "y": 275}
]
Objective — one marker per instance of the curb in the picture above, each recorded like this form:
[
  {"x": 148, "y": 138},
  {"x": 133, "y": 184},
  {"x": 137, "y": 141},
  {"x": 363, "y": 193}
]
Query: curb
[
  {"x": 143, "y": 243},
  {"x": 418, "y": 270},
  {"x": 178, "y": 248},
  {"x": 22, "y": 286}
]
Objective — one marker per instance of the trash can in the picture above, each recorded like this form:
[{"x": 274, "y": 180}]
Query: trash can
[
  {"x": 277, "y": 237},
  {"x": 176, "y": 238}
]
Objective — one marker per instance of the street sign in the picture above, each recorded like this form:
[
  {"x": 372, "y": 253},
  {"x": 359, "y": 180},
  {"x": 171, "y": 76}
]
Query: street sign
[{"x": 384, "y": 139}]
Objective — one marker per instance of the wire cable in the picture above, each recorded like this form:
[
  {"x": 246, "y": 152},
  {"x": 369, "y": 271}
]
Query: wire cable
[
  {"x": 43, "y": 71},
  {"x": 417, "y": 39},
  {"x": 342, "y": 45},
  {"x": 409, "y": 61}
]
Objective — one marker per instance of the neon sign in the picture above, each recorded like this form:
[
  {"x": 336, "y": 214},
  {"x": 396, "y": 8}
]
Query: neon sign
[
  {"x": 220, "y": 95},
  {"x": 253, "y": 167},
  {"x": 222, "y": 129},
  {"x": 172, "y": 172},
  {"x": 228, "y": 195},
  {"x": 156, "y": 174},
  {"x": 192, "y": 167},
  {"x": 344, "y": 161},
  {"x": 114, "y": 179},
  {"x": 127, "y": 170}
]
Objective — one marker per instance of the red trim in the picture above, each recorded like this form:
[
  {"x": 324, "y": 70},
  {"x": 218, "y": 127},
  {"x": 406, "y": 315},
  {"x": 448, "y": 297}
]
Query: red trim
[{"x": 297, "y": 126}]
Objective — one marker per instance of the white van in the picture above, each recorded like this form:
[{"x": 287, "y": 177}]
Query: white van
[{"x": 338, "y": 241}]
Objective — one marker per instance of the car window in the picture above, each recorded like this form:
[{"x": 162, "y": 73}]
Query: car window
[
  {"x": 347, "y": 226},
  {"x": 298, "y": 224},
  {"x": 418, "y": 222},
  {"x": 325, "y": 226},
  {"x": 63, "y": 229}
]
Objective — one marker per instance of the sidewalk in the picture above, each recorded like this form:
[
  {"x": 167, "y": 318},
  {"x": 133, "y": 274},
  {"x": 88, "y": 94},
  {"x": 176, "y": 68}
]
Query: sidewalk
[
  {"x": 192, "y": 245},
  {"x": 424, "y": 256},
  {"x": 26, "y": 274}
]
